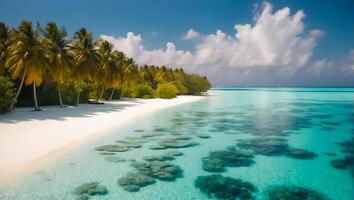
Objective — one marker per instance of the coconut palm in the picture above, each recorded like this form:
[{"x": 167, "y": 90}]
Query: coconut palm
[
  {"x": 110, "y": 63},
  {"x": 5, "y": 38},
  {"x": 59, "y": 60},
  {"x": 85, "y": 59},
  {"x": 27, "y": 58},
  {"x": 127, "y": 73}
]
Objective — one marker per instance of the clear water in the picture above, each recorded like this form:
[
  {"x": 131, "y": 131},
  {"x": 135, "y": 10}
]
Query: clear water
[{"x": 315, "y": 118}]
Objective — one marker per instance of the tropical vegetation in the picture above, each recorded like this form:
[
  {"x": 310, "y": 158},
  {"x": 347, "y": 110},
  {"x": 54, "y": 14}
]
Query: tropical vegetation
[{"x": 78, "y": 70}]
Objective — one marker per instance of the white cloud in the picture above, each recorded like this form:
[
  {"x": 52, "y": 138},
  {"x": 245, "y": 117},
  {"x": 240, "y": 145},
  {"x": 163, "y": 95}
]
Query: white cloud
[
  {"x": 275, "y": 47},
  {"x": 132, "y": 46},
  {"x": 276, "y": 39},
  {"x": 191, "y": 34}
]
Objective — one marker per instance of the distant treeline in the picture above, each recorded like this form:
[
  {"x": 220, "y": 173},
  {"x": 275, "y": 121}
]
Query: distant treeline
[{"x": 73, "y": 70}]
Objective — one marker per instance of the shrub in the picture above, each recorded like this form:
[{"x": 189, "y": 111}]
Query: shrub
[
  {"x": 144, "y": 91},
  {"x": 69, "y": 92},
  {"x": 48, "y": 95},
  {"x": 196, "y": 84},
  {"x": 166, "y": 91},
  {"x": 180, "y": 87},
  {"x": 7, "y": 94}
]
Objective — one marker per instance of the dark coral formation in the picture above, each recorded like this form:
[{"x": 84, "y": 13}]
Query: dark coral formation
[
  {"x": 159, "y": 169},
  {"x": 112, "y": 148},
  {"x": 348, "y": 161},
  {"x": 114, "y": 159},
  {"x": 274, "y": 146},
  {"x": 300, "y": 153},
  {"x": 204, "y": 136},
  {"x": 344, "y": 163},
  {"x": 132, "y": 182},
  {"x": 293, "y": 193},
  {"x": 222, "y": 187},
  {"x": 176, "y": 142},
  {"x": 86, "y": 190},
  {"x": 218, "y": 160},
  {"x": 148, "y": 171},
  {"x": 267, "y": 146}
]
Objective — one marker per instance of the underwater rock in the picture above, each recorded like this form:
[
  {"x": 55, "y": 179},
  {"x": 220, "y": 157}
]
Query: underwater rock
[
  {"x": 112, "y": 148},
  {"x": 90, "y": 189},
  {"x": 300, "y": 153},
  {"x": 157, "y": 147},
  {"x": 83, "y": 197},
  {"x": 204, "y": 136},
  {"x": 217, "y": 160},
  {"x": 293, "y": 193},
  {"x": 160, "y": 129},
  {"x": 183, "y": 137},
  {"x": 135, "y": 140},
  {"x": 274, "y": 146},
  {"x": 330, "y": 154},
  {"x": 343, "y": 163},
  {"x": 173, "y": 153},
  {"x": 177, "y": 142},
  {"x": 222, "y": 187},
  {"x": 148, "y": 135},
  {"x": 114, "y": 159},
  {"x": 132, "y": 182},
  {"x": 213, "y": 164},
  {"x": 348, "y": 160},
  {"x": 139, "y": 130},
  {"x": 231, "y": 148},
  {"x": 267, "y": 146},
  {"x": 132, "y": 145},
  {"x": 339, "y": 164},
  {"x": 107, "y": 153},
  {"x": 348, "y": 146},
  {"x": 159, "y": 169},
  {"x": 158, "y": 158}
]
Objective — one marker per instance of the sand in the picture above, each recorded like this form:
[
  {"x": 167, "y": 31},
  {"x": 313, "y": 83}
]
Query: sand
[{"x": 26, "y": 135}]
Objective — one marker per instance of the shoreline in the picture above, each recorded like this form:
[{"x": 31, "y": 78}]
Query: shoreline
[{"x": 28, "y": 136}]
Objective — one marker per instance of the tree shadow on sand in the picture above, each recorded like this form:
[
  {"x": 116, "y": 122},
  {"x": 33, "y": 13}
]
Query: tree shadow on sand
[{"x": 61, "y": 114}]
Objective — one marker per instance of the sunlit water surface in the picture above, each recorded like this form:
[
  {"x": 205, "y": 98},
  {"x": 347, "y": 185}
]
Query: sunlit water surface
[{"x": 309, "y": 118}]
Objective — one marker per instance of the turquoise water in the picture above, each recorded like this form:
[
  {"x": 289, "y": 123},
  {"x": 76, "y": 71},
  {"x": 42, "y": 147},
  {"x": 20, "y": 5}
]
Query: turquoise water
[{"x": 308, "y": 118}]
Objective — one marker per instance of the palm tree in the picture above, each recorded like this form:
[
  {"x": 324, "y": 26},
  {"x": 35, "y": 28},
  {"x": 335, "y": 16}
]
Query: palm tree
[
  {"x": 59, "y": 60},
  {"x": 110, "y": 63},
  {"x": 85, "y": 58},
  {"x": 127, "y": 73},
  {"x": 5, "y": 38},
  {"x": 27, "y": 58}
]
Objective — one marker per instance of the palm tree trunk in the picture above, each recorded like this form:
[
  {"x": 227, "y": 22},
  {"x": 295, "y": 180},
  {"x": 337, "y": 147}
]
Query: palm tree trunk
[
  {"x": 61, "y": 104},
  {"x": 102, "y": 92},
  {"x": 77, "y": 98},
  {"x": 121, "y": 94},
  {"x": 36, "y": 107},
  {"x": 110, "y": 97},
  {"x": 19, "y": 90}
]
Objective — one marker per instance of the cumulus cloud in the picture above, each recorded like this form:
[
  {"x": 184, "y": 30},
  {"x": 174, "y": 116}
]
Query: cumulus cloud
[
  {"x": 191, "y": 34},
  {"x": 270, "y": 50},
  {"x": 132, "y": 46}
]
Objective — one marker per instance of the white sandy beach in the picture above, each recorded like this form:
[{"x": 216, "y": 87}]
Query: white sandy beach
[{"x": 26, "y": 135}]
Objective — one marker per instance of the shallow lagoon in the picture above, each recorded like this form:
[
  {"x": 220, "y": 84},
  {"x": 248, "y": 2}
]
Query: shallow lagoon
[{"x": 306, "y": 118}]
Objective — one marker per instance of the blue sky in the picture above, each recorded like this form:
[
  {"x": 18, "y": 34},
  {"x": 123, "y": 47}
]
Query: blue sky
[{"x": 159, "y": 22}]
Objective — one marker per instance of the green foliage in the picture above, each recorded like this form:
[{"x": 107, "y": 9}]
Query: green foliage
[
  {"x": 7, "y": 92},
  {"x": 130, "y": 92},
  {"x": 144, "y": 91},
  {"x": 49, "y": 95},
  {"x": 180, "y": 87},
  {"x": 35, "y": 54},
  {"x": 69, "y": 92},
  {"x": 196, "y": 84},
  {"x": 166, "y": 91}
]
